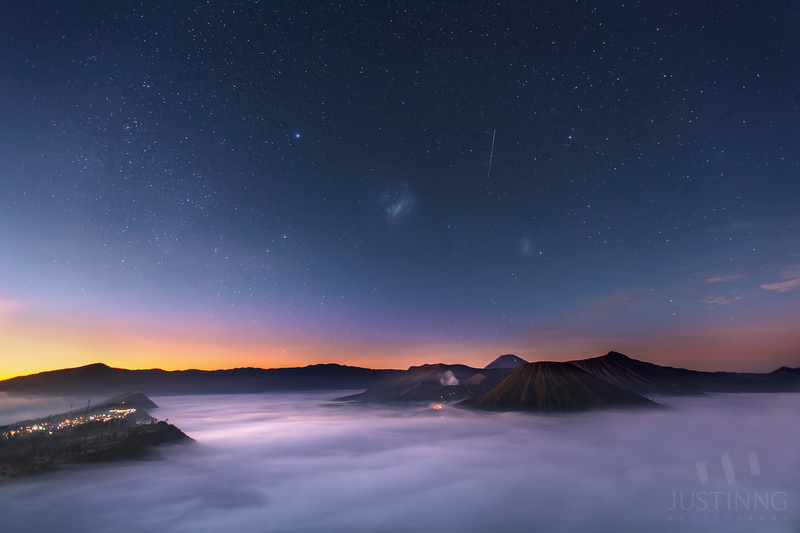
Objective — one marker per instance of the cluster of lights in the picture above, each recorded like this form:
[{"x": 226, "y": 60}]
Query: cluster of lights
[
  {"x": 27, "y": 429},
  {"x": 69, "y": 423},
  {"x": 107, "y": 416},
  {"x": 111, "y": 414}
]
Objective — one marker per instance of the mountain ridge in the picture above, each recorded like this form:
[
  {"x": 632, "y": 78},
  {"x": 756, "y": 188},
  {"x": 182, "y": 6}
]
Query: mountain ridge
[
  {"x": 649, "y": 378},
  {"x": 417, "y": 383},
  {"x": 100, "y": 378}
]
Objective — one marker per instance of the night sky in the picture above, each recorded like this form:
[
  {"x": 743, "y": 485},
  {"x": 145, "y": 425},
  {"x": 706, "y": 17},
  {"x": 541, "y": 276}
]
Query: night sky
[{"x": 289, "y": 183}]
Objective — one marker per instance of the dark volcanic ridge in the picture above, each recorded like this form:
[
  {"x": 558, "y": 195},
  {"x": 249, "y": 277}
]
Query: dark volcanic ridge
[
  {"x": 548, "y": 387},
  {"x": 130, "y": 399},
  {"x": 432, "y": 383},
  {"x": 648, "y": 378},
  {"x": 92, "y": 442}
]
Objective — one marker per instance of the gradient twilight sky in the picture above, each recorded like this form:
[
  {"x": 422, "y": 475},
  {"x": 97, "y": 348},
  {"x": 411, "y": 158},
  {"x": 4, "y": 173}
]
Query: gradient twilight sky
[{"x": 286, "y": 183}]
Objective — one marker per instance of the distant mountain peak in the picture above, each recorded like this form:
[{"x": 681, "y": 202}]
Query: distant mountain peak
[
  {"x": 428, "y": 366},
  {"x": 95, "y": 365},
  {"x": 508, "y": 360},
  {"x": 785, "y": 370}
]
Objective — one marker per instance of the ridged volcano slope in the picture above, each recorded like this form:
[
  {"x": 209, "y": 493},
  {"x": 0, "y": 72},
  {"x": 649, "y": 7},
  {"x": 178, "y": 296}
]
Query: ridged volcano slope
[{"x": 555, "y": 387}]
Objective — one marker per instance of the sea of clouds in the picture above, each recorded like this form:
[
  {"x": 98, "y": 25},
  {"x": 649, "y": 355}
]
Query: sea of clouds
[{"x": 297, "y": 462}]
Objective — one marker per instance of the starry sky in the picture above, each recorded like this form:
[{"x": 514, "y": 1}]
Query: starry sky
[{"x": 225, "y": 184}]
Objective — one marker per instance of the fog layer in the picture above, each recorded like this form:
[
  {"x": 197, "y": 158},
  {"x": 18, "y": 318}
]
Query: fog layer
[{"x": 299, "y": 463}]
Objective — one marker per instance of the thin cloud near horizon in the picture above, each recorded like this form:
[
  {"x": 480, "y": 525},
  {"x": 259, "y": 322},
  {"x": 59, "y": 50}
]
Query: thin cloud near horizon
[
  {"x": 783, "y": 286},
  {"x": 721, "y": 279},
  {"x": 791, "y": 277}
]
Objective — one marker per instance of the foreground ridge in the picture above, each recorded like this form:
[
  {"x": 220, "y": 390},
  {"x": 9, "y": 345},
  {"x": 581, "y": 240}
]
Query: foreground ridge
[{"x": 115, "y": 430}]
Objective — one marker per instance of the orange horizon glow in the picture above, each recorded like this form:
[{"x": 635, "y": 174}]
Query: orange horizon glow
[
  {"x": 74, "y": 342},
  {"x": 53, "y": 342},
  {"x": 40, "y": 339}
]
